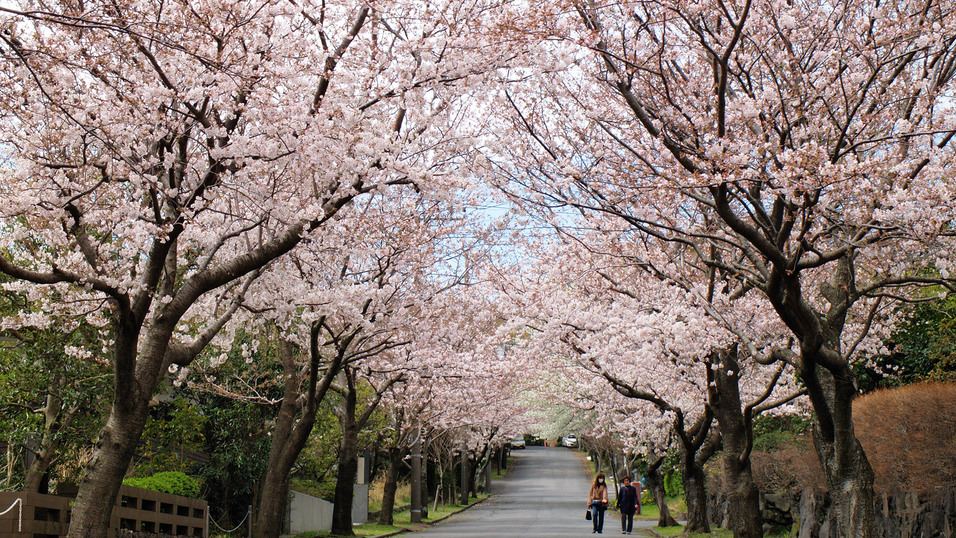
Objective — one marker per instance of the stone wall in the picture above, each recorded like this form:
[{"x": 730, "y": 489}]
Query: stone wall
[{"x": 806, "y": 514}]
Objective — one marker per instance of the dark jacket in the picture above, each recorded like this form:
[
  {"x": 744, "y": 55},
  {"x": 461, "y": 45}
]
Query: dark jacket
[{"x": 627, "y": 499}]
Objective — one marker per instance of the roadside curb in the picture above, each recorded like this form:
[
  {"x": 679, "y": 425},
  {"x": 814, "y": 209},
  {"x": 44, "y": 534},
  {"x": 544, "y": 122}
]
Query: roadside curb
[{"x": 430, "y": 524}]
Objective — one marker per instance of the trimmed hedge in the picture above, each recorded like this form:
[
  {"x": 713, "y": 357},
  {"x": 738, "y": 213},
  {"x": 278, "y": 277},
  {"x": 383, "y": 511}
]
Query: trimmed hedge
[{"x": 173, "y": 482}]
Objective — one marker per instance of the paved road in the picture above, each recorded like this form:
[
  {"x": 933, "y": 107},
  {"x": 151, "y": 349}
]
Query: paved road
[{"x": 545, "y": 495}]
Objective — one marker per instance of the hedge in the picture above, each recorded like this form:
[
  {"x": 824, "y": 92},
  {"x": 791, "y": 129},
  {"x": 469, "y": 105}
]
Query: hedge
[{"x": 173, "y": 482}]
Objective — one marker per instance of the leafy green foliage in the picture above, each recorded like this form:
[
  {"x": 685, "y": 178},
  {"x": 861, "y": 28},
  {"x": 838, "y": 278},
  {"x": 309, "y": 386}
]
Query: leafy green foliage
[
  {"x": 923, "y": 347},
  {"x": 237, "y": 444},
  {"x": 319, "y": 459},
  {"x": 317, "y": 464},
  {"x": 673, "y": 484},
  {"x": 173, "y": 482},
  {"x": 772, "y": 432},
  {"x": 322, "y": 490},
  {"x": 236, "y": 432},
  {"x": 173, "y": 431},
  {"x": 926, "y": 342},
  {"x": 58, "y": 368}
]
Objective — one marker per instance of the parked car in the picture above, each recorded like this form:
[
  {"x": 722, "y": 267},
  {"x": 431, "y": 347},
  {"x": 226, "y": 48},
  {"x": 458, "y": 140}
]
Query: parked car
[
  {"x": 570, "y": 441},
  {"x": 517, "y": 442}
]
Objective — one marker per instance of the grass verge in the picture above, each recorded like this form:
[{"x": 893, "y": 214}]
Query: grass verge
[
  {"x": 650, "y": 512},
  {"x": 677, "y": 530},
  {"x": 715, "y": 532}
]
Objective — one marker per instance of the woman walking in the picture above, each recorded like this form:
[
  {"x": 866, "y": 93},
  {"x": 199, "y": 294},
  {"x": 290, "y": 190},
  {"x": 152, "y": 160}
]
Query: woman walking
[
  {"x": 597, "y": 503},
  {"x": 629, "y": 502}
]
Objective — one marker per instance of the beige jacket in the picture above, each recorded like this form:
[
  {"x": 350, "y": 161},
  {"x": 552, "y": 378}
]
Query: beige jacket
[{"x": 597, "y": 493}]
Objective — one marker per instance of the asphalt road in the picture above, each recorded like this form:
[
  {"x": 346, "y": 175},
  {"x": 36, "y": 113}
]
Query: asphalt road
[{"x": 545, "y": 495}]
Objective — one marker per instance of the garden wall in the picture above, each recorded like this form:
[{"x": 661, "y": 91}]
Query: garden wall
[
  {"x": 308, "y": 513},
  {"x": 806, "y": 514},
  {"x": 908, "y": 435},
  {"x": 137, "y": 512}
]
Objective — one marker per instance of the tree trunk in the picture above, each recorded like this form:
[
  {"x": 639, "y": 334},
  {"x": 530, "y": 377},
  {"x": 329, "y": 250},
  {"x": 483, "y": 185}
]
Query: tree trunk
[
  {"x": 44, "y": 456},
  {"x": 293, "y": 426},
  {"x": 104, "y": 473},
  {"x": 348, "y": 448},
  {"x": 285, "y": 447},
  {"x": 698, "y": 443},
  {"x": 37, "y": 471},
  {"x": 464, "y": 476},
  {"x": 451, "y": 482},
  {"x": 614, "y": 471},
  {"x": 848, "y": 473},
  {"x": 344, "y": 484},
  {"x": 432, "y": 478},
  {"x": 474, "y": 465},
  {"x": 655, "y": 483},
  {"x": 391, "y": 486},
  {"x": 56, "y": 418},
  {"x": 348, "y": 464},
  {"x": 134, "y": 381},
  {"x": 141, "y": 360},
  {"x": 695, "y": 495},
  {"x": 746, "y": 519},
  {"x": 831, "y": 386},
  {"x": 270, "y": 511}
]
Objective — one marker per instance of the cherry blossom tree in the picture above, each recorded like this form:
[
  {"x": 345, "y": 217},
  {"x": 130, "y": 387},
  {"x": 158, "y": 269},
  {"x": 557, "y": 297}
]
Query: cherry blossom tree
[
  {"x": 470, "y": 383},
  {"x": 667, "y": 342},
  {"x": 797, "y": 148},
  {"x": 352, "y": 420},
  {"x": 159, "y": 156},
  {"x": 676, "y": 390},
  {"x": 353, "y": 305},
  {"x": 398, "y": 441}
]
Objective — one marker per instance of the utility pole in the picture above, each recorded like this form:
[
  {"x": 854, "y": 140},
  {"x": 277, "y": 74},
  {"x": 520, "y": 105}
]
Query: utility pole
[{"x": 416, "y": 457}]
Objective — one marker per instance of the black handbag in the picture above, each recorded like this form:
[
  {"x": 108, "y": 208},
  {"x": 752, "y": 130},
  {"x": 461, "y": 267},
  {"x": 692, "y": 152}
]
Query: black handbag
[{"x": 587, "y": 515}]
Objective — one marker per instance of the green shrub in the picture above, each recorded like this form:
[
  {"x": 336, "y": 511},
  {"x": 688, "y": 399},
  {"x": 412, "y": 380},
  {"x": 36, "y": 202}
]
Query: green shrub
[
  {"x": 673, "y": 484},
  {"x": 773, "y": 432},
  {"x": 173, "y": 482},
  {"x": 322, "y": 490}
]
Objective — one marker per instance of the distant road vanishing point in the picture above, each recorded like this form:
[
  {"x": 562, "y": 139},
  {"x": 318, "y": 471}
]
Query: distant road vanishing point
[{"x": 546, "y": 495}]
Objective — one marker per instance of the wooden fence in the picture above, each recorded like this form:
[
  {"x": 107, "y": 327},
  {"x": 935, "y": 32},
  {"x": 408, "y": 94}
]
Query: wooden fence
[{"x": 137, "y": 511}]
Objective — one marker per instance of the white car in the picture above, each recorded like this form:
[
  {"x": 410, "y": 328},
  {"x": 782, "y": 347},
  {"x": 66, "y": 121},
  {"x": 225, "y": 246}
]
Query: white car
[
  {"x": 517, "y": 442},
  {"x": 570, "y": 441}
]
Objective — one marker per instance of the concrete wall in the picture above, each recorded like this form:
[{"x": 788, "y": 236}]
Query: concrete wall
[
  {"x": 360, "y": 504},
  {"x": 308, "y": 513}
]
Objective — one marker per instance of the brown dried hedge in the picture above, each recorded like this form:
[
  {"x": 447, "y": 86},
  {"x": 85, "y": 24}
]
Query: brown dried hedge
[{"x": 908, "y": 433}]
